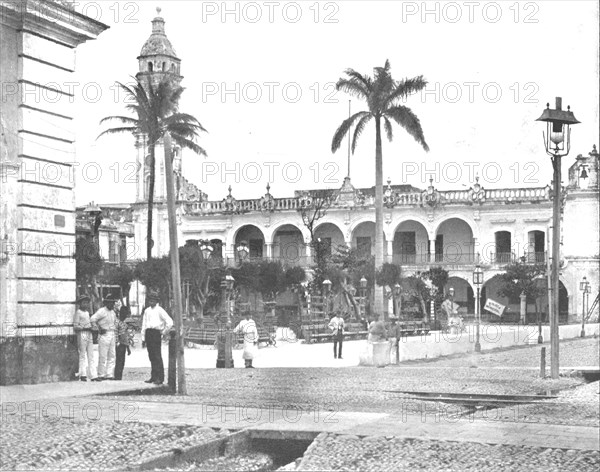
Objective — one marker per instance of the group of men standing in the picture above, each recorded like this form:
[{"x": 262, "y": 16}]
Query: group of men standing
[{"x": 113, "y": 340}]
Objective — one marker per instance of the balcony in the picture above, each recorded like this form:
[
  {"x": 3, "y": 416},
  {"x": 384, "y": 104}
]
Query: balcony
[{"x": 439, "y": 259}]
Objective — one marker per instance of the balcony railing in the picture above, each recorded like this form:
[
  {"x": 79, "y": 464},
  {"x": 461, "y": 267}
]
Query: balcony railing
[
  {"x": 503, "y": 258},
  {"x": 535, "y": 257},
  {"x": 439, "y": 259},
  {"x": 452, "y": 197}
]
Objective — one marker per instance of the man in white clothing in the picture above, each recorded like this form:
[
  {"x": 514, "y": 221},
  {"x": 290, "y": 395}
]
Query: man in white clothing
[
  {"x": 83, "y": 329},
  {"x": 105, "y": 321},
  {"x": 248, "y": 328},
  {"x": 155, "y": 323}
]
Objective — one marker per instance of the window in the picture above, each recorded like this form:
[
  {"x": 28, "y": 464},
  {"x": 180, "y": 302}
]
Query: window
[
  {"x": 150, "y": 67},
  {"x": 113, "y": 254},
  {"x": 123, "y": 249}
]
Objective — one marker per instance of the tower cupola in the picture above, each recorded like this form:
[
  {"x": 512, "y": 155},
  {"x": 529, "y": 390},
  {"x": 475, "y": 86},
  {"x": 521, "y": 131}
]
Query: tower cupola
[{"x": 158, "y": 59}]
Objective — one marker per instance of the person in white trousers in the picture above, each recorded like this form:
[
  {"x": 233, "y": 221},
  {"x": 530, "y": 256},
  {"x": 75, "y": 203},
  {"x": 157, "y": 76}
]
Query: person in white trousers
[
  {"x": 105, "y": 320},
  {"x": 83, "y": 330}
]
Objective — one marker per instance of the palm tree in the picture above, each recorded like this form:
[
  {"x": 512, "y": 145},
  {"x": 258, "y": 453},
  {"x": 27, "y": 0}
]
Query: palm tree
[
  {"x": 382, "y": 94},
  {"x": 156, "y": 108}
]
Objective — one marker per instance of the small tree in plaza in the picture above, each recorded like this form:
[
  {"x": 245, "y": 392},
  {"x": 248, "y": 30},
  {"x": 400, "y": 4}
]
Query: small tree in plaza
[
  {"x": 121, "y": 275},
  {"x": 345, "y": 268},
  {"x": 523, "y": 278},
  {"x": 420, "y": 289}
]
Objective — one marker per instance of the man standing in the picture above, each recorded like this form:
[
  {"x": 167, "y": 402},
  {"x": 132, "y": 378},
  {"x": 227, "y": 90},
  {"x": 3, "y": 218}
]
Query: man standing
[
  {"x": 124, "y": 340},
  {"x": 248, "y": 328},
  {"x": 155, "y": 323},
  {"x": 105, "y": 320},
  {"x": 337, "y": 327},
  {"x": 83, "y": 330}
]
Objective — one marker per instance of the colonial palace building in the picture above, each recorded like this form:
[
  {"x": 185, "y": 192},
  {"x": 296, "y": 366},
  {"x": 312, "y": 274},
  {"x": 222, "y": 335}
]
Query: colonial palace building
[{"x": 452, "y": 228}]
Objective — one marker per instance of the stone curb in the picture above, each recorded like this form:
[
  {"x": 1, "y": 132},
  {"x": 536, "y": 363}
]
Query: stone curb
[{"x": 233, "y": 443}]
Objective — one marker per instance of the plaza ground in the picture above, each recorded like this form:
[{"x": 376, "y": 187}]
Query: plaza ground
[{"x": 364, "y": 423}]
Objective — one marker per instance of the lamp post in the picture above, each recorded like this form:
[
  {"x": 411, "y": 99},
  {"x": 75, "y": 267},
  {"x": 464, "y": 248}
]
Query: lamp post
[
  {"x": 478, "y": 282},
  {"x": 557, "y": 141},
  {"x": 326, "y": 290},
  {"x": 363, "y": 295},
  {"x": 585, "y": 288},
  {"x": 93, "y": 214},
  {"x": 225, "y": 336},
  {"x": 242, "y": 251},
  {"x": 206, "y": 249}
]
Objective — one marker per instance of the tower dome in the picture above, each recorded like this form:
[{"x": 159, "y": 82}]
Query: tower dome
[
  {"x": 158, "y": 43},
  {"x": 158, "y": 59}
]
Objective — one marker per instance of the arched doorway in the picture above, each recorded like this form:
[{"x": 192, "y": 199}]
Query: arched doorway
[
  {"x": 254, "y": 238},
  {"x": 288, "y": 245},
  {"x": 363, "y": 238},
  {"x": 454, "y": 242},
  {"x": 411, "y": 243},
  {"x": 463, "y": 295}
]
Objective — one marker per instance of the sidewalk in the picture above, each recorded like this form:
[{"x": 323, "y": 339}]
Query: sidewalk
[{"x": 432, "y": 421}]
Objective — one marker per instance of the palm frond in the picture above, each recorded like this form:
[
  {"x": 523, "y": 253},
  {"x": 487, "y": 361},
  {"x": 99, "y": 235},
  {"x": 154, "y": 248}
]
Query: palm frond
[
  {"x": 188, "y": 144},
  {"x": 404, "y": 88},
  {"x": 126, "y": 129},
  {"x": 341, "y": 132},
  {"x": 388, "y": 128},
  {"x": 123, "y": 119},
  {"x": 365, "y": 80},
  {"x": 353, "y": 87},
  {"x": 360, "y": 126},
  {"x": 409, "y": 121}
]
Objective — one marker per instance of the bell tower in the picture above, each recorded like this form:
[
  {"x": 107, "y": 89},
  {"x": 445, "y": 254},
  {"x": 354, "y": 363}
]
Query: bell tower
[{"x": 157, "y": 62}]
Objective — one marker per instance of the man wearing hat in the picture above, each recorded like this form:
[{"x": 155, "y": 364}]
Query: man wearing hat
[
  {"x": 155, "y": 323},
  {"x": 83, "y": 330},
  {"x": 105, "y": 320}
]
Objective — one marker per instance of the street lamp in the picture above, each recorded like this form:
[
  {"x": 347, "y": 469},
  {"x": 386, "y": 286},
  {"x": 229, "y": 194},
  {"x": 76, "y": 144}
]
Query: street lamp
[
  {"x": 326, "y": 290},
  {"x": 363, "y": 296},
  {"x": 242, "y": 250},
  {"x": 478, "y": 282},
  {"x": 93, "y": 214},
  {"x": 225, "y": 337},
  {"x": 557, "y": 141},
  {"x": 585, "y": 288},
  {"x": 206, "y": 249}
]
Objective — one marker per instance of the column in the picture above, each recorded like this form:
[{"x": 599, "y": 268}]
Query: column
[
  {"x": 390, "y": 251},
  {"x": 432, "y": 250},
  {"x": 269, "y": 248}
]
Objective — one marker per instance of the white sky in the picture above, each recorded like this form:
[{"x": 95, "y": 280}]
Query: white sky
[{"x": 513, "y": 54}]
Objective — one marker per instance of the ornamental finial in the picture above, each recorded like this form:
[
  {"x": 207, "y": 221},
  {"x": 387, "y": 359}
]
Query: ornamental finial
[{"x": 158, "y": 10}]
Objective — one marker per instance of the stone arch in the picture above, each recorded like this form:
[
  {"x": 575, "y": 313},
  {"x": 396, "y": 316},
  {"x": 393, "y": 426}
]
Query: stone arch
[
  {"x": 331, "y": 232},
  {"x": 251, "y": 234},
  {"x": 289, "y": 243},
  {"x": 410, "y": 242},
  {"x": 464, "y": 295},
  {"x": 454, "y": 241}
]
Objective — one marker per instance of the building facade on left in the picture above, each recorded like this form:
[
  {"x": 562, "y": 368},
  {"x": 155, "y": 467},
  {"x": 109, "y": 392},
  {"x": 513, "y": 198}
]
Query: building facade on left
[{"x": 38, "y": 40}]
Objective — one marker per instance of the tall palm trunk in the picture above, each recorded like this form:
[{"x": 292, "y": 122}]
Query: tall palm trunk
[
  {"x": 150, "y": 201},
  {"x": 378, "y": 292}
]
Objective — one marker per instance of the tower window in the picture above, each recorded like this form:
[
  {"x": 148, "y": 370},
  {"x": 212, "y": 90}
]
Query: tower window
[
  {"x": 172, "y": 67},
  {"x": 164, "y": 66},
  {"x": 150, "y": 67}
]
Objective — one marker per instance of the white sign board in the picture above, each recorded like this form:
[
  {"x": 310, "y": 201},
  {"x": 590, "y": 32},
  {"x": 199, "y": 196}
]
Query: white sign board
[{"x": 494, "y": 307}]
